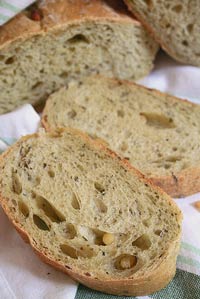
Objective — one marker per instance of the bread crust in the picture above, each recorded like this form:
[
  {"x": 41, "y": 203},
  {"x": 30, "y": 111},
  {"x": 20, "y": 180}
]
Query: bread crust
[
  {"x": 160, "y": 41},
  {"x": 181, "y": 184},
  {"x": 59, "y": 14},
  {"x": 158, "y": 277}
]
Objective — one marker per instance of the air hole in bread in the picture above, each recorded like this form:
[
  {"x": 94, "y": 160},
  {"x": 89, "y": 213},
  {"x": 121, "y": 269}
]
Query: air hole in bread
[
  {"x": 49, "y": 210},
  {"x": 159, "y": 121},
  {"x": 10, "y": 60},
  {"x": 101, "y": 206},
  {"x": 63, "y": 75},
  {"x": 99, "y": 187},
  {"x": 143, "y": 242},
  {"x": 23, "y": 208},
  {"x": 125, "y": 262},
  {"x": 33, "y": 194},
  {"x": 75, "y": 202},
  {"x": 174, "y": 159},
  {"x": 177, "y": 8},
  {"x": 158, "y": 232},
  {"x": 51, "y": 173},
  {"x": 40, "y": 223},
  {"x": 185, "y": 43},
  {"x": 37, "y": 85},
  {"x": 120, "y": 113},
  {"x": 72, "y": 114},
  {"x": 167, "y": 25},
  {"x": 78, "y": 38},
  {"x": 190, "y": 28},
  {"x": 174, "y": 148},
  {"x": 16, "y": 183},
  {"x": 68, "y": 250},
  {"x": 75, "y": 253},
  {"x": 70, "y": 231},
  {"x": 2, "y": 57}
]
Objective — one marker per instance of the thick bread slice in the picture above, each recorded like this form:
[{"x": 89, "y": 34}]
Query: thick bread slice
[
  {"x": 88, "y": 213},
  {"x": 157, "y": 132},
  {"x": 72, "y": 39},
  {"x": 174, "y": 24}
]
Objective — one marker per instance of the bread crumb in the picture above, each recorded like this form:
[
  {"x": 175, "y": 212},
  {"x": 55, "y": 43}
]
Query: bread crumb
[{"x": 196, "y": 205}]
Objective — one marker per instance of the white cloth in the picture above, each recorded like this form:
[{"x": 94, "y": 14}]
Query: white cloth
[{"x": 22, "y": 274}]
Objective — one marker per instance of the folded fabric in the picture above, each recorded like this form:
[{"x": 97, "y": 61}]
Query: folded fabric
[
  {"x": 175, "y": 78},
  {"x": 9, "y": 9}
]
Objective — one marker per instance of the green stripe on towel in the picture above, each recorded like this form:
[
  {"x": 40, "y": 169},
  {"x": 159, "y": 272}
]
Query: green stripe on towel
[
  {"x": 86, "y": 293},
  {"x": 3, "y": 18},
  {"x": 185, "y": 285},
  {"x": 9, "y": 6},
  {"x": 190, "y": 247},
  {"x": 188, "y": 261},
  {"x": 8, "y": 141}
]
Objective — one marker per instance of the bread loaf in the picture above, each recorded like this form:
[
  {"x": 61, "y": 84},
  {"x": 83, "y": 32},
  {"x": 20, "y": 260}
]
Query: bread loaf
[
  {"x": 156, "y": 132},
  {"x": 174, "y": 24},
  {"x": 54, "y": 42},
  {"x": 88, "y": 213}
]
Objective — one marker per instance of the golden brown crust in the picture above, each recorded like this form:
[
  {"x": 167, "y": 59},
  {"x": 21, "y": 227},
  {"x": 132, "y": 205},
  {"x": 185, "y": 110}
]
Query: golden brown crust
[
  {"x": 58, "y": 14},
  {"x": 157, "y": 277},
  {"x": 181, "y": 184},
  {"x": 184, "y": 183}
]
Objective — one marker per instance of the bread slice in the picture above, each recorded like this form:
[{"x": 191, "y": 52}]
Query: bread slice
[
  {"x": 57, "y": 41},
  {"x": 156, "y": 132},
  {"x": 174, "y": 24},
  {"x": 87, "y": 212}
]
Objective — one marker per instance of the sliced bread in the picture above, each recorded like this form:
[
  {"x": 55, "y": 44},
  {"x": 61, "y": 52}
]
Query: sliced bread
[
  {"x": 56, "y": 41},
  {"x": 174, "y": 24},
  {"x": 87, "y": 212},
  {"x": 158, "y": 133}
]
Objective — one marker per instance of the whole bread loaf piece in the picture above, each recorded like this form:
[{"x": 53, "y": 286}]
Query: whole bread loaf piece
[
  {"x": 56, "y": 41},
  {"x": 156, "y": 132},
  {"x": 88, "y": 213},
  {"x": 174, "y": 24}
]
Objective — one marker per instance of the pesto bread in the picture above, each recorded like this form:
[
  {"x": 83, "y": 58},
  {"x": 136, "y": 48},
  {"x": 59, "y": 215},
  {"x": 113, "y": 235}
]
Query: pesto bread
[
  {"x": 174, "y": 24},
  {"x": 156, "y": 132},
  {"x": 87, "y": 212},
  {"x": 53, "y": 42}
]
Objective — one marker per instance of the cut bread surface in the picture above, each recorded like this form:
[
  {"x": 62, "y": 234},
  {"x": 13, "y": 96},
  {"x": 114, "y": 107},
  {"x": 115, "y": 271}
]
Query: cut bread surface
[
  {"x": 174, "y": 24},
  {"x": 71, "y": 40},
  {"x": 89, "y": 213},
  {"x": 156, "y": 132}
]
